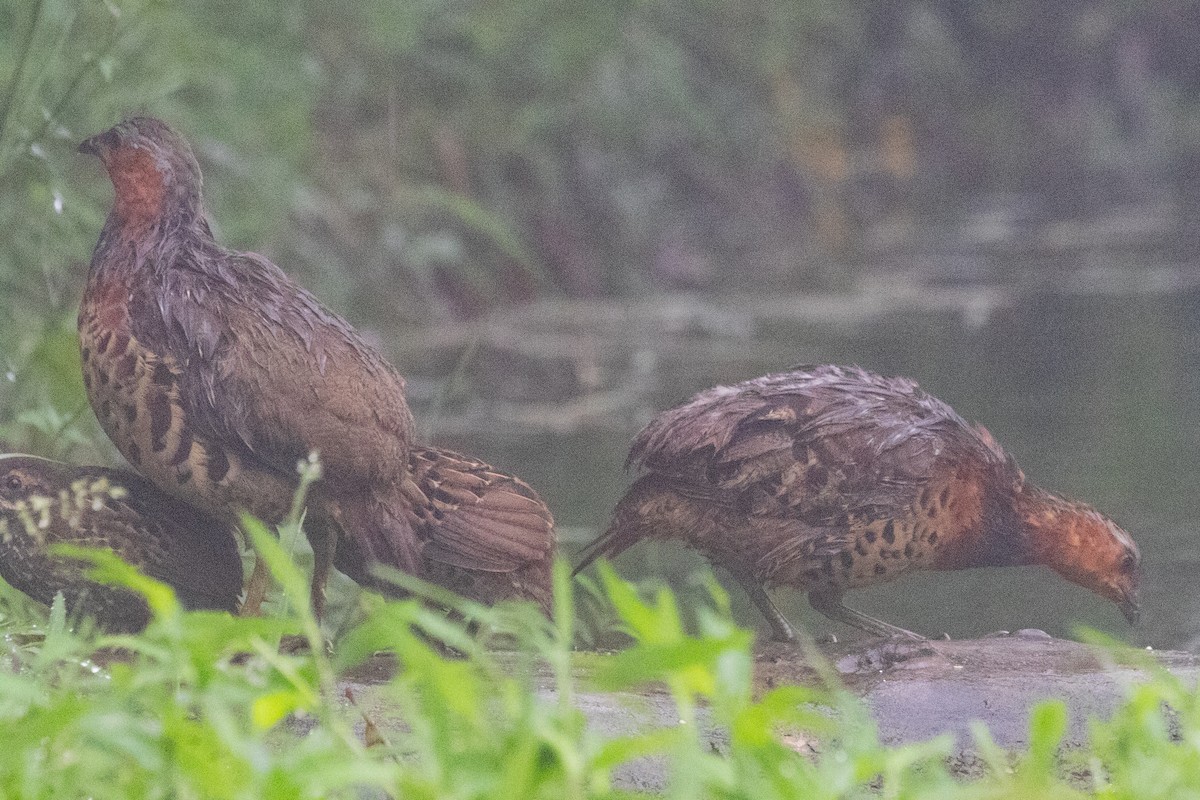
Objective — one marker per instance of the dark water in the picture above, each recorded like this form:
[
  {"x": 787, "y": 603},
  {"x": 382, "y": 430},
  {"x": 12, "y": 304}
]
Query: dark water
[{"x": 1098, "y": 397}]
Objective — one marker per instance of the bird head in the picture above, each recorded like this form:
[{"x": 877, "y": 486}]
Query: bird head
[
  {"x": 1087, "y": 548},
  {"x": 24, "y": 477},
  {"x": 27, "y": 487},
  {"x": 34, "y": 492},
  {"x": 152, "y": 168}
]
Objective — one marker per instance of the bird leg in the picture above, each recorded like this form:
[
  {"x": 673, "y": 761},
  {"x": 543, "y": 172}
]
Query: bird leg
[
  {"x": 323, "y": 538},
  {"x": 781, "y": 629},
  {"x": 830, "y": 604},
  {"x": 256, "y": 589}
]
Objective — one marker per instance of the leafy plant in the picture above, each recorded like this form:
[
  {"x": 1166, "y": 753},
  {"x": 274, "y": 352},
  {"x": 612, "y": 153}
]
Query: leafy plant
[{"x": 204, "y": 705}]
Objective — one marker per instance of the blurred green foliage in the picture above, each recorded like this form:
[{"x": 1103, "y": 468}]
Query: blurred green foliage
[{"x": 205, "y": 705}]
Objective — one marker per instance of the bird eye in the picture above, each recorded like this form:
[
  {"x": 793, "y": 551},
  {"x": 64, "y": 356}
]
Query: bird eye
[
  {"x": 13, "y": 482},
  {"x": 1129, "y": 561}
]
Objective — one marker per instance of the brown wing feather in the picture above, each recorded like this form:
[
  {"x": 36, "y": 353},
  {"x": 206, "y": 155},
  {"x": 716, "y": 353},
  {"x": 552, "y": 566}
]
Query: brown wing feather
[
  {"x": 793, "y": 455},
  {"x": 837, "y": 433},
  {"x": 472, "y": 516},
  {"x": 177, "y": 544},
  {"x": 258, "y": 358}
]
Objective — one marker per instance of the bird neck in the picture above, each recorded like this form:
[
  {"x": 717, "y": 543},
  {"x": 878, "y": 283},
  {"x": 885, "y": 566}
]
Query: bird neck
[
  {"x": 994, "y": 539},
  {"x": 1050, "y": 526},
  {"x": 149, "y": 194}
]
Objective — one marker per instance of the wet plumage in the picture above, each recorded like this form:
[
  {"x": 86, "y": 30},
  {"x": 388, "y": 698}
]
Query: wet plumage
[
  {"x": 215, "y": 373},
  {"x": 830, "y": 478},
  {"x": 458, "y": 497},
  {"x": 43, "y": 503}
]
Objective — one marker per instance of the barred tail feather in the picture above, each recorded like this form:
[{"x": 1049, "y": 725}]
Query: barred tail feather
[{"x": 484, "y": 533}]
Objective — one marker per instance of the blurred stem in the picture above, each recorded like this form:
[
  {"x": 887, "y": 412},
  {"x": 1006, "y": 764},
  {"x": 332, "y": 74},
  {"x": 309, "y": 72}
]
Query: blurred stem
[
  {"x": 310, "y": 473},
  {"x": 289, "y": 530},
  {"x": 115, "y": 36},
  {"x": 564, "y": 624},
  {"x": 443, "y": 395},
  {"x": 18, "y": 78}
]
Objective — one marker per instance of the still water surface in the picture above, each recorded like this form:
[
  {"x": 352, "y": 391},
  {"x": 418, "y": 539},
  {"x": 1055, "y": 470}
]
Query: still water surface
[{"x": 1097, "y": 396}]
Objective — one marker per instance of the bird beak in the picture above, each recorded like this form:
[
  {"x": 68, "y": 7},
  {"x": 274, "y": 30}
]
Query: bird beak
[
  {"x": 99, "y": 144},
  {"x": 1130, "y": 608}
]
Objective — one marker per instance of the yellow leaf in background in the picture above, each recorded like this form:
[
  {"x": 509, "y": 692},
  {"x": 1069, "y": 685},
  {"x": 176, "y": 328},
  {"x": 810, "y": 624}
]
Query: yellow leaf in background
[{"x": 269, "y": 709}]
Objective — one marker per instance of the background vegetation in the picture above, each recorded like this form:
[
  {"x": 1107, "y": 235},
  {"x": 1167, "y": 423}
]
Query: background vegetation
[
  {"x": 420, "y": 163},
  {"x": 430, "y": 161}
]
